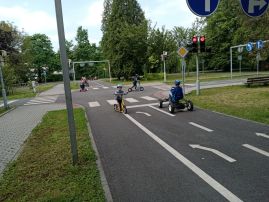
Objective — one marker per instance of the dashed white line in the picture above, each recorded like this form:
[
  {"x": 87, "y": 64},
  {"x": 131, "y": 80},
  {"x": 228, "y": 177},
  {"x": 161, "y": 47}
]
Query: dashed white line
[
  {"x": 112, "y": 102},
  {"x": 201, "y": 127},
  {"x": 131, "y": 100},
  {"x": 169, "y": 114},
  {"x": 256, "y": 149},
  {"x": 148, "y": 98},
  {"x": 262, "y": 135},
  {"x": 94, "y": 104},
  {"x": 95, "y": 88},
  {"x": 208, "y": 179},
  {"x": 142, "y": 105},
  {"x": 105, "y": 87}
]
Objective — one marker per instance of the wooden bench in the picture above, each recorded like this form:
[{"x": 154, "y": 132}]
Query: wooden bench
[{"x": 258, "y": 80}]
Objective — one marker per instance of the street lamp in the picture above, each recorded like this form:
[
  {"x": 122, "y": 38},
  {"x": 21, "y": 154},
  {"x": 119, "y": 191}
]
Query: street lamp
[{"x": 2, "y": 55}]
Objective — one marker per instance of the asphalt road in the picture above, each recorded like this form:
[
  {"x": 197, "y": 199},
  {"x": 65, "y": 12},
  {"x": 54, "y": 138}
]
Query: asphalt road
[{"x": 149, "y": 155}]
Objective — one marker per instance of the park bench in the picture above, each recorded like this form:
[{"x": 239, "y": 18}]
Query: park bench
[{"x": 258, "y": 80}]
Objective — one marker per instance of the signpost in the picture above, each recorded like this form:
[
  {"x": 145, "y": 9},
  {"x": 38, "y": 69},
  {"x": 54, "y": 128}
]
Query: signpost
[
  {"x": 254, "y": 8},
  {"x": 203, "y": 8},
  {"x": 182, "y": 52}
]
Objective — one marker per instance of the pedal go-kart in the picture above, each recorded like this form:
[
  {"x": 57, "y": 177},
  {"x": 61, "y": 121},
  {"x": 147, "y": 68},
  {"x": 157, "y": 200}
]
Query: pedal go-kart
[
  {"x": 123, "y": 106},
  {"x": 183, "y": 104}
]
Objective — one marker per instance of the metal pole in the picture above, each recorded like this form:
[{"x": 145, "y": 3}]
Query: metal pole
[
  {"x": 109, "y": 71},
  {"x": 197, "y": 76},
  {"x": 2, "y": 83},
  {"x": 240, "y": 64},
  {"x": 258, "y": 62},
  {"x": 68, "y": 96},
  {"x": 183, "y": 64},
  {"x": 164, "y": 71},
  {"x": 231, "y": 61}
]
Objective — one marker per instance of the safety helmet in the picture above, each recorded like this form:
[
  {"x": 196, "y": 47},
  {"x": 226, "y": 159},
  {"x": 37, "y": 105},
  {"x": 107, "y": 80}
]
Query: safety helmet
[
  {"x": 177, "y": 82},
  {"x": 119, "y": 86}
]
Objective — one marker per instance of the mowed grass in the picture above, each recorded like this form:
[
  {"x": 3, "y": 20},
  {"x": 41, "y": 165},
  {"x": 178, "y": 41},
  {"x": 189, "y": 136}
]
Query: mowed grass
[
  {"x": 246, "y": 102},
  {"x": 2, "y": 110},
  {"x": 44, "y": 171}
]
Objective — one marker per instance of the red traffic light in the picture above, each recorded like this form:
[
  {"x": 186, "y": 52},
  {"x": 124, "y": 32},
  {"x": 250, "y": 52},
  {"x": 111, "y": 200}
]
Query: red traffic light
[
  {"x": 202, "y": 39},
  {"x": 194, "y": 39}
]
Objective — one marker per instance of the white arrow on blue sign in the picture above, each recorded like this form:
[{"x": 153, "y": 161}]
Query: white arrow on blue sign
[
  {"x": 203, "y": 8},
  {"x": 249, "y": 47},
  {"x": 254, "y": 8}
]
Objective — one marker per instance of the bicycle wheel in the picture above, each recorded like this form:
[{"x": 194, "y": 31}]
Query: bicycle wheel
[{"x": 130, "y": 89}]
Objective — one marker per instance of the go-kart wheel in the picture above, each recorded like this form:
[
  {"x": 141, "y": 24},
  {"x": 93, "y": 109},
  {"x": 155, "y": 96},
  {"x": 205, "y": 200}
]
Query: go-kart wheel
[
  {"x": 116, "y": 107},
  {"x": 171, "y": 108},
  {"x": 141, "y": 88},
  {"x": 161, "y": 104},
  {"x": 124, "y": 110},
  {"x": 130, "y": 89},
  {"x": 189, "y": 105}
]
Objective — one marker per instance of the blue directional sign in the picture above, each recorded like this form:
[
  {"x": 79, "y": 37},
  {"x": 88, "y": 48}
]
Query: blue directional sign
[
  {"x": 249, "y": 47},
  {"x": 203, "y": 8},
  {"x": 259, "y": 44},
  {"x": 254, "y": 8}
]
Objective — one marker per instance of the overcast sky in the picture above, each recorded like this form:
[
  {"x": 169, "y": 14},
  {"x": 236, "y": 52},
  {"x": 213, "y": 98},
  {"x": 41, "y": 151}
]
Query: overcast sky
[{"x": 38, "y": 16}]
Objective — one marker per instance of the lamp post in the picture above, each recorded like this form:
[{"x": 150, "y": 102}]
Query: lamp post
[{"x": 2, "y": 55}]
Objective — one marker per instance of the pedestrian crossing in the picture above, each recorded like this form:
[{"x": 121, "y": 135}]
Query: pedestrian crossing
[
  {"x": 42, "y": 100},
  {"x": 127, "y": 100}
]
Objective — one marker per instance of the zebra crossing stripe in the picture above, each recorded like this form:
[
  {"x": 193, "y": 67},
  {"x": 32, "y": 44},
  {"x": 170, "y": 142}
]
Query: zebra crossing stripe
[
  {"x": 95, "y": 88},
  {"x": 105, "y": 87},
  {"x": 131, "y": 100},
  {"x": 112, "y": 102},
  {"x": 94, "y": 104},
  {"x": 36, "y": 103},
  {"x": 149, "y": 98}
]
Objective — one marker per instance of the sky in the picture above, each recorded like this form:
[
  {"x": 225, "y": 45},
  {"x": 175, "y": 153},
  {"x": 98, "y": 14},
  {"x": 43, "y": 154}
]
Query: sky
[{"x": 38, "y": 16}]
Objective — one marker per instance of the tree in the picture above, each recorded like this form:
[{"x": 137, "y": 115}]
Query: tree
[
  {"x": 38, "y": 54},
  {"x": 124, "y": 37}
]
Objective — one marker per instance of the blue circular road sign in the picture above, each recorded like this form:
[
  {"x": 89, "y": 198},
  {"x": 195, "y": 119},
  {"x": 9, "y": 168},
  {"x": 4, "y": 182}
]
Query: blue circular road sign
[
  {"x": 254, "y": 8},
  {"x": 249, "y": 47},
  {"x": 203, "y": 8}
]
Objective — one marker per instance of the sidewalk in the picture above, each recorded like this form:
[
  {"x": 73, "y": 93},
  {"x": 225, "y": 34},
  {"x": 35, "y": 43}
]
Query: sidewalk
[{"x": 17, "y": 125}]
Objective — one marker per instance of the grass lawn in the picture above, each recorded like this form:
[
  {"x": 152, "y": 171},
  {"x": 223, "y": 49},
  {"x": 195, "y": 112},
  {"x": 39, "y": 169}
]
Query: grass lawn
[
  {"x": 44, "y": 172},
  {"x": 241, "y": 101},
  {"x": 74, "y": 85},
  {"x": 2, "y": 110},
  {"x": 26, "y": 92}
]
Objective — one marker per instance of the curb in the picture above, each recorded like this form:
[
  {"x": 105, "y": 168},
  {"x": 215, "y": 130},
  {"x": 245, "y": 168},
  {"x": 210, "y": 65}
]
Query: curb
[
  {"x": 104, "y": 182},
  {"x": 4, "y": 113}
]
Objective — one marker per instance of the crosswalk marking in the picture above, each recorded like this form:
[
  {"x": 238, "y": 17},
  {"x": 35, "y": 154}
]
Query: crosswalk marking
[
  {"x": 149, "y": 98},
  {"x": 131, "y": 100},
  {"x": 9, "y": 102},
  {"x": 256, "y": 149},
  {"x": 41, "y": 100},
  {"x": 95, "y": 88},
  {"x": 112, "y": 102},
  {"x": 105, "y": 87},
  {"x": 94, "y": 104}
]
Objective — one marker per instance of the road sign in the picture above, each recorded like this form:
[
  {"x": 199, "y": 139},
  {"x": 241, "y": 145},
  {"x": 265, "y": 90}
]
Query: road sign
[
  {"x": 259, "y": 44},
  {"x": 239, "y": 57},
  {"x": 249, "y": 47},
  {"x": 254, "y": 8},
  {"x": 203, "y": 8},
  {"x": 240, "y": 49},
  {"x": 182, "y": 51}
]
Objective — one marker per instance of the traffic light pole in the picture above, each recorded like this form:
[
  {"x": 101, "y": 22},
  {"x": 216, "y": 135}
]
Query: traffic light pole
[
  {"x": 197, "y": 76},
  {"x": 2, "y": 81}
]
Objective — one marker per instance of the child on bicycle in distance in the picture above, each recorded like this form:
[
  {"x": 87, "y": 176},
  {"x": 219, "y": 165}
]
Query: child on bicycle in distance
[{"x": 118, "y": 95}]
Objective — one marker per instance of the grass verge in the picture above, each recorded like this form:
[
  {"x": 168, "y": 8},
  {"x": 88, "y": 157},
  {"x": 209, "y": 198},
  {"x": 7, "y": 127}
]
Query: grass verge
[
  {"x": 2, "y": 110},
  {"x": 241, "y": 101},
  {"x": 43, "y": 171},
  {"x": 74, "y": 85}
]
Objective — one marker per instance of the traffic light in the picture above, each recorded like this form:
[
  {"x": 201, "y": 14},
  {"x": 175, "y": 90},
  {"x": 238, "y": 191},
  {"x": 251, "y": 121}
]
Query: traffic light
[
  {"x": 202, "y": 44},
  {"x": 194, "y": 44}
]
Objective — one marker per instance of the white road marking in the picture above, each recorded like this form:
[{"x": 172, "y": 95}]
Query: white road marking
[
  {"x": 142, "y": 105},
  {"x": 101, "y": 85},
  {"x": 9, "y": 102},
  {"x": 95, "y": 88},
  {"x": 105, "y": 87},
  {"x": 114, "y": 86},
  {"x": 149, "y": 98},
  {"x": 36, "y": 103},
  {"x": 220, "y": 154},
  {"x": 147, "y": 114},
  {"x": 131, "y": 100},
  {"x": 262, "y": 135},
  {"x": 256, "y": 149},
  {"x": 208, "y": 179},
  {"x": 202, "y": 127},
  {"x": 112, "y": 102},
  {"x": 94, "y": 104},
  {"x": 167, "y": 113}
]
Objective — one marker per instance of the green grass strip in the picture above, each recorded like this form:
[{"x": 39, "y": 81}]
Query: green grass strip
[
  {"x": 241, "y": 101},
  {"x": 44, "y": 171}
]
